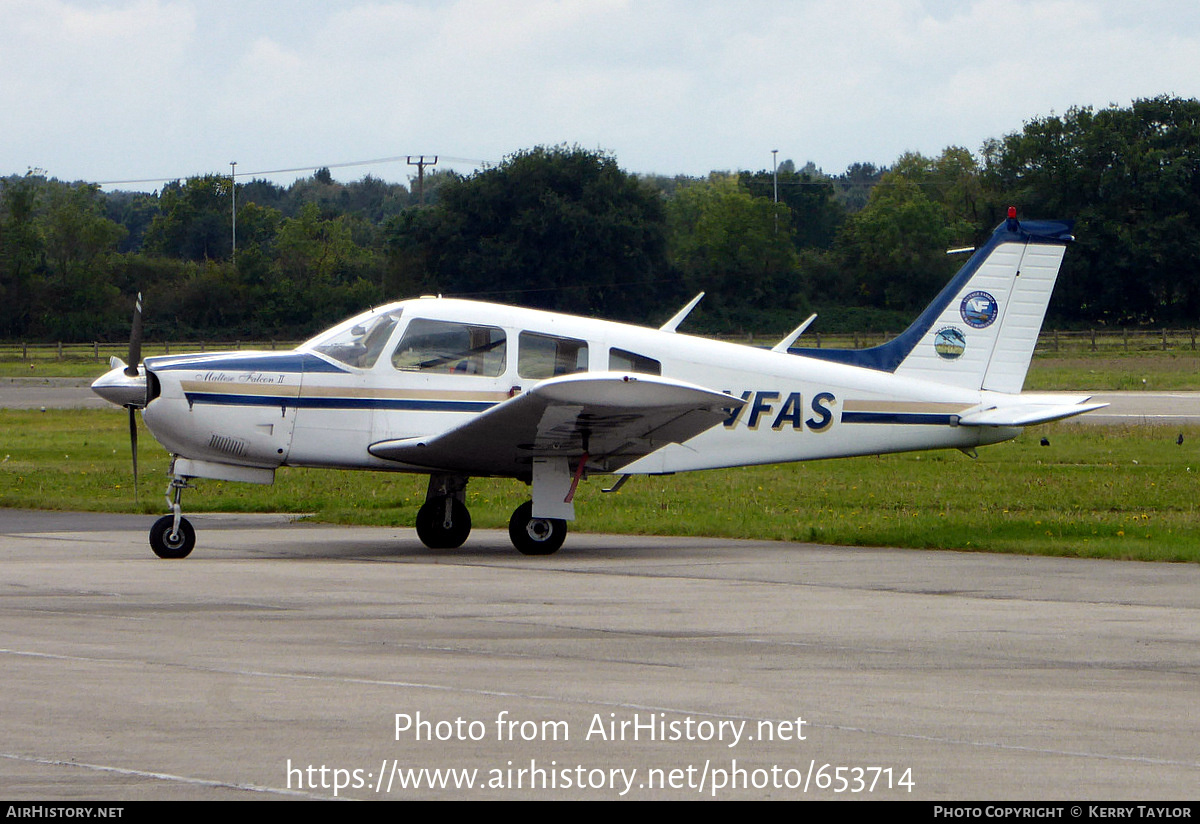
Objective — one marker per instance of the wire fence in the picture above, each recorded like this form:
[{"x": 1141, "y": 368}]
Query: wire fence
[
  {"x": 100, "y": 352},
  {"x": 1050, "y": 343}
]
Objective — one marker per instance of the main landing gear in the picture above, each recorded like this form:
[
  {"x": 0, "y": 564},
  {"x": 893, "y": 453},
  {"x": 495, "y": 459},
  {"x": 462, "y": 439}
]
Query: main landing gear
[
  {"x": 443, "y": 521},
  {"x": 535, "y": 536},
  {"x": 172, "y": 536}
]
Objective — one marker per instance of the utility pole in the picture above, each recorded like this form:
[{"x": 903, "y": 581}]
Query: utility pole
[
  {"x": 421, "y": 163},
  {"x": 775, "y": 178},
  {"x": 233, "y": 204},
  {"x": 775, "y": 171}
]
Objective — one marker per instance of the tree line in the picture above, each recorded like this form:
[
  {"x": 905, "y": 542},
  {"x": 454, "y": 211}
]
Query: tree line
[{"x": 567, "y": 229}]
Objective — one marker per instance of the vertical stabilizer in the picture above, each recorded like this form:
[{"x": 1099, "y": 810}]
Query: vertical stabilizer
[{"x": 980, "y": 331}]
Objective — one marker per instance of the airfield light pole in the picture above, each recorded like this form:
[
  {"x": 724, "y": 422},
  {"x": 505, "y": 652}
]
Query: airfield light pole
[{"x": 233, "y": 204}]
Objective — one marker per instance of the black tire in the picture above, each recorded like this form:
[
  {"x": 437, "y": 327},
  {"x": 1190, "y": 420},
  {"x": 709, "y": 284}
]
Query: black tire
[
  {"x": 535, "y": 536},
  {"x": 167, "y": 546},
  {"x": 431, "y": 524}
]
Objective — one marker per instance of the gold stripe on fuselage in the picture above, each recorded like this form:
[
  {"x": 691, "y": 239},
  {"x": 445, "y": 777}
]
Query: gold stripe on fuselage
[{"x": 909, "y": 407}]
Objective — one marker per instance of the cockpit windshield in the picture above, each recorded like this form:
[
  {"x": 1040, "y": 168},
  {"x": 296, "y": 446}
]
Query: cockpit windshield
[{"x": 359, "y": 341}]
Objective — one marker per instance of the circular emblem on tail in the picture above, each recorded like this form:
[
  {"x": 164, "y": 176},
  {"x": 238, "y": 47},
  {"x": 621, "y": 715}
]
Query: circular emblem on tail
[
  {"x": 949, "y": 343},
  {"x": 978, "y": 310}
]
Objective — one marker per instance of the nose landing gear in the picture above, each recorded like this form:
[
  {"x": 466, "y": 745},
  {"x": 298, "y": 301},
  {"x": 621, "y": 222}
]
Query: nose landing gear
[{"x": 173, "y": 536}]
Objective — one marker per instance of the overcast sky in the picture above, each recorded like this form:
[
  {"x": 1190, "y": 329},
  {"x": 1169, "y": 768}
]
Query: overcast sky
[{"x": 138, "y": 89}]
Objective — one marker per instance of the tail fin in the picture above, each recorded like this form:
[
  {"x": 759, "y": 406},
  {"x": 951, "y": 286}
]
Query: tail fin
[{"x": 981, "y": 329}]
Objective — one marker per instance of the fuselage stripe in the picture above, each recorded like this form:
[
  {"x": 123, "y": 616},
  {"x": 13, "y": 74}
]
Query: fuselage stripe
[
  {"x": 898, "y": 418},
  {"x": 336, "y": 403}
]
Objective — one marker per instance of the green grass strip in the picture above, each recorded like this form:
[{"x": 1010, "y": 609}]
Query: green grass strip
[{"x": 1127, "y": 492}]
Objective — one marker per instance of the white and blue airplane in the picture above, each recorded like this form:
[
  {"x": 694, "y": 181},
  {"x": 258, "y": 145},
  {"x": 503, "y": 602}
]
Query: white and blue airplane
[{"x": 457, "y": 388}]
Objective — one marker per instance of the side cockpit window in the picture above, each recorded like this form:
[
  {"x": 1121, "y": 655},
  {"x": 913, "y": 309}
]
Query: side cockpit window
[
  {"x": 621, "y": 361},
  {"x": 450, "y": 348},
  {"x": 544, "y": 356},
  {"x": 361, "y": 344}
]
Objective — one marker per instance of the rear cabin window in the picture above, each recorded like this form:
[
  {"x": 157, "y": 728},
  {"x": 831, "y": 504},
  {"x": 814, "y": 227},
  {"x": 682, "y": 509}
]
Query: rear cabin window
[
  {"x": 544, "y": 356},
  {"x": 621, "y": 361},
  {"x": 448, "y": 348}
]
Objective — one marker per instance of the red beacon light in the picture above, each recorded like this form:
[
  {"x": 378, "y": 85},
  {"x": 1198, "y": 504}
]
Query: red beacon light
[{"x": 1012, "y": 219}]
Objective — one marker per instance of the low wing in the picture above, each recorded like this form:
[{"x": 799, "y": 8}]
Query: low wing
[
  {"x": 1027, "y": 410},
  {"x": 614, "y": 418}
]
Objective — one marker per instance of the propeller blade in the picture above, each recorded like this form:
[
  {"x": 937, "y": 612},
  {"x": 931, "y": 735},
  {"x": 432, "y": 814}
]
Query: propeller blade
[
  {"x": 133, "y": 449},
  {"x": 135, "y": 358},
  {"x": 135, "y": 339}
]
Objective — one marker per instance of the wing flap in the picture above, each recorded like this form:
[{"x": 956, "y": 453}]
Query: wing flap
[{"x": 615, "y": 418}]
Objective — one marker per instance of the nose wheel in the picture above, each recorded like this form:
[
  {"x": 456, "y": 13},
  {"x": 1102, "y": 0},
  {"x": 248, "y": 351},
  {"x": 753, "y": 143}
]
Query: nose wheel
[
  {"x": 171, "y": 541},
  {"x": 173, "y": 536}
]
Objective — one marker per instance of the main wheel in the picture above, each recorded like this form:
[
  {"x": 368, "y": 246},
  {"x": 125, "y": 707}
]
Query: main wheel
[
  {"x": 166, "y": 545},
  {"x": 436, "y": 530},
  {"x": 535, "y": 536}
]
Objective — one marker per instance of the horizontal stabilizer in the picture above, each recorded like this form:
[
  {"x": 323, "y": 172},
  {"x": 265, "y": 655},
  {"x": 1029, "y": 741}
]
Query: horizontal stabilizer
[{"x": 1027, "y": 414}]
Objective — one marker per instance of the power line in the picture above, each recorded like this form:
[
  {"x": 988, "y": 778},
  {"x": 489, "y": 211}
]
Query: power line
[{"x": 312, "y": 167}]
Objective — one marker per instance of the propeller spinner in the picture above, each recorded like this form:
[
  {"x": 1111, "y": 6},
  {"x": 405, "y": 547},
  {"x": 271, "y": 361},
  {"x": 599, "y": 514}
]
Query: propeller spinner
[{"x": 125, "y": 383}]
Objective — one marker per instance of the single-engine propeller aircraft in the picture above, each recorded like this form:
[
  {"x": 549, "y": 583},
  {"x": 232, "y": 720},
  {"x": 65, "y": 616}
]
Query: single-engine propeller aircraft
[{"x": 457, "y": 388}]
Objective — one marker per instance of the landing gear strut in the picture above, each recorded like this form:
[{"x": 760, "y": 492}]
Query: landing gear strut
[
  {"x": 443, "y": 521},
  {"x": 172, "y": 536}
]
